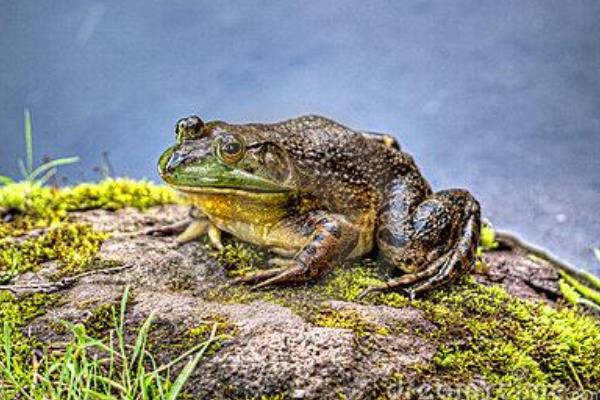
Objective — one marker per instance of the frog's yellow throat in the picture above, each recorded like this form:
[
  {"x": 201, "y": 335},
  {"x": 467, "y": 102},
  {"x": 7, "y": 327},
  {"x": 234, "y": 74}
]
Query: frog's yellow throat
[{"x": 265, "y": 208}]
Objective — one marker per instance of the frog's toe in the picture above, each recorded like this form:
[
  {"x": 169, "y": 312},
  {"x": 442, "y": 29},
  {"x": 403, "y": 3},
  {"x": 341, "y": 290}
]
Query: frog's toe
[
  {"x": 293, "y": 274},
  {"x": 371, "y": 290},
  {"x": 257, "y": 277},
  {"x": 450, "y": 266},
  {"x": 383, "y": 288},
  {"x": 280, "y": 262},
  {"x": 194, "y": 230}
]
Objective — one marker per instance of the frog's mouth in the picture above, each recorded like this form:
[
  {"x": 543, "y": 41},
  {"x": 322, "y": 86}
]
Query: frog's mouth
[{"x": 214, "y": 177}]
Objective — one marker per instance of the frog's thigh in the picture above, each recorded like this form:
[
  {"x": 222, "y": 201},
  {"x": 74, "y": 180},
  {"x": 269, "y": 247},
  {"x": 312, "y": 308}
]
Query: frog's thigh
[{"x": 434, "y": 243}]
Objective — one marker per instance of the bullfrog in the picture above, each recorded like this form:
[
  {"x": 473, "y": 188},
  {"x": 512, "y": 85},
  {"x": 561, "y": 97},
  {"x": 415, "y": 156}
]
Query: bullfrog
[{"x": 314, "y": 193}]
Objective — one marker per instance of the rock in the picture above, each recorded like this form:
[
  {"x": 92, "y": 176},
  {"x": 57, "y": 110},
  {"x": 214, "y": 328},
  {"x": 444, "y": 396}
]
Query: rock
[{"x": 276, "y": 348}]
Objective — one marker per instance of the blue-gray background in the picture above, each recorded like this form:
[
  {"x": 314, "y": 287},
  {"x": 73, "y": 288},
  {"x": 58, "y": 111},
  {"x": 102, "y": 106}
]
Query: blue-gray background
[{"x": 502, "y": 97}]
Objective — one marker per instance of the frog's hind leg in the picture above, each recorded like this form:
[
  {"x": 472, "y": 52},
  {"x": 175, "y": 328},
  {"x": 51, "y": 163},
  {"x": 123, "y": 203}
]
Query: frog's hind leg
[
  {"x": 332, "y": 239},
  {"x": 434, "y": 242}
]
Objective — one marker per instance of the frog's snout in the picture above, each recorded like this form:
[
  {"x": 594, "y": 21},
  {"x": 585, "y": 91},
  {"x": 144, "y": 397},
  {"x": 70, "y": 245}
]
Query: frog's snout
[{"x": 189, "y": 127}]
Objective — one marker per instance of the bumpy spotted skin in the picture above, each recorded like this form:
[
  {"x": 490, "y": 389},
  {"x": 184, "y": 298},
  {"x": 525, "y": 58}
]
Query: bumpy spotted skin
[{"x": 318, "y": 192}]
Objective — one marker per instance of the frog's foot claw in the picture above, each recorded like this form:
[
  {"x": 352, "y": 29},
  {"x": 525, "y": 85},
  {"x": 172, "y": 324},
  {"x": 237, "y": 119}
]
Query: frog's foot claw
[
  {"x": 289, "y": 271},
  {"x": 440, "y": 271}
]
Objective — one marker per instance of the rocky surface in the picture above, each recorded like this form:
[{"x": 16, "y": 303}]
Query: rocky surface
[{"x": 275, "y": 349}]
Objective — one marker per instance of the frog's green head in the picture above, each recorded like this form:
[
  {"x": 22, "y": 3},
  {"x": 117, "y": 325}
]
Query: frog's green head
[{"x": 215, "y": 156}]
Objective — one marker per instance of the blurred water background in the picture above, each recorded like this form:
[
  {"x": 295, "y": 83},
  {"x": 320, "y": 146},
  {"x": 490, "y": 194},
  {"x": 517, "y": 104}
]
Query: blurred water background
[{"x": 500, "y": 97}]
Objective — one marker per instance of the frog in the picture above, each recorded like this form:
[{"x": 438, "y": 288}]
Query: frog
[{"x": 315, "y": 193}]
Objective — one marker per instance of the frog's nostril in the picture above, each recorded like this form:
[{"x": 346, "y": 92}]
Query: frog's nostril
[
  {"x": 174, "y": 161},
  {"x": 189, "y": 127}
]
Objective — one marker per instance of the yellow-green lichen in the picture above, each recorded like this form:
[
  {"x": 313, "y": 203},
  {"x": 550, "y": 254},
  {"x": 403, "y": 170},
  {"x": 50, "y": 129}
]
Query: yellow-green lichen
[
  {"x": 165, "y": 337},
  {"x": 27, "y": 206},
  {"x": 484, "y": 331},
  {"x": 347, "y": 318},
  {"x": 14, "y": 314},
  {"x": 348, "y": 281},
  {"x": 30, "y": 206},
  {"x": 19, "y": 311},
  {"x": 238, "y": 259},
  {"x": 73, "y": 245}
]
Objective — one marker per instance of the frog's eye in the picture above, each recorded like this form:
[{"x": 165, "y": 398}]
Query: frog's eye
[
  {"x": 188, "y": 128},
  {"x": 230, "y": 149}
]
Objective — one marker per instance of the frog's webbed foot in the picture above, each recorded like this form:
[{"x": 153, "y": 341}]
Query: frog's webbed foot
[
  {"x": 333, "y": 239},
  {"x": 444, "y": 229}
]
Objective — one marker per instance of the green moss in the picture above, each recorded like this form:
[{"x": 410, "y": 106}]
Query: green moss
[
  {"x": 20, "y": 311},
  {"x": 101, "y": 320},
  {"x": 113, "y": 194},
  {"x": 483, "y": 331},
  {"x": 166, "y": 338},
  {"x": 73, "y": 245},
  {"x": 348, "y": 281},
  {"x": 488, "y": 237},
  {"x": 27, "y": 206},
  {"x": 238, "y": 259},
  {"x": 347, "y": 319},
  {"x": 31, "y": 205},
  {"x": 14, "y": 314}
]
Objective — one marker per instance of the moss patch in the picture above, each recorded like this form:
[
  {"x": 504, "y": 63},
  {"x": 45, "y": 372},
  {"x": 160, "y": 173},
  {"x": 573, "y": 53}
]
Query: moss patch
[
  {"x": 239, "y": 259},
  {"x": 512, "y": 343},
  {"x": 14, "y": 314},
  {"x": 347, "y": 319},
  {"x": 27, "y": 206},
  {"x": 167, "y": 338},
  {"x": 73, "y": 245}
]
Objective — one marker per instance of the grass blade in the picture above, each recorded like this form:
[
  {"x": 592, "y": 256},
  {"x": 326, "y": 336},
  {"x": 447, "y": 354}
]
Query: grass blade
[
  {"x": 51, "y": 165},
  {"x": 581, "y": 288},
  {"x": 183, "y": 377},
  {"x": 28, "y": 141},
  {"x": 22, "y": 169},
  {"x": 6, "y": 180},
  {"x": 140, "y": 341},
  {"x": 597, "y": 253},
  {"x": 44, "y": 179}
]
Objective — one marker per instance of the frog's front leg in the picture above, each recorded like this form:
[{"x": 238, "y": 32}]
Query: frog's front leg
[
  {"x": 199, "y": 225},
  {"x": 431, "y": 237},
  {"x": 333, "y": 238}
]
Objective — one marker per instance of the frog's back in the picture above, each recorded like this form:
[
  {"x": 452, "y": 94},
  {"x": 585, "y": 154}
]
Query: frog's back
[{"x": 349, "y": 167}]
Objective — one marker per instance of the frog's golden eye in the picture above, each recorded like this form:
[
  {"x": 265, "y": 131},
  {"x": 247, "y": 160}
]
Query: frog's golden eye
[{"x": 230, "y": 149}]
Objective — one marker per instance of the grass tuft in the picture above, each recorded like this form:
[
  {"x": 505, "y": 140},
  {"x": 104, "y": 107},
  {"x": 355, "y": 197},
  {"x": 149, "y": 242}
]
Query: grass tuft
[{"x": 91, "y": 368}]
